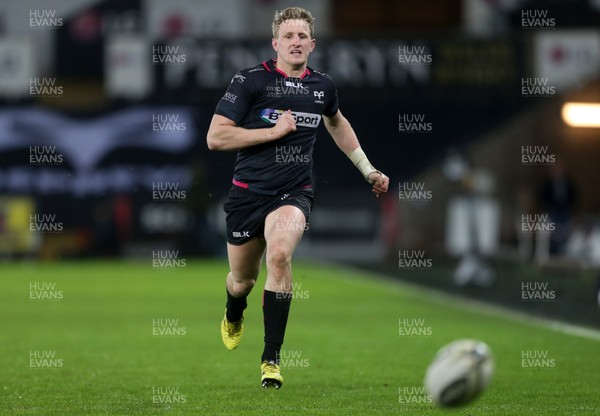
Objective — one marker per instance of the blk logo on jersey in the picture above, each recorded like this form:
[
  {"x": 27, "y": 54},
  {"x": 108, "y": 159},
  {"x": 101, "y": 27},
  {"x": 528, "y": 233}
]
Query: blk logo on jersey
[
  {"x": 270, "y": 115},
  {"x": 287, "y": 88},
  {"x": 292, "y": 83}
]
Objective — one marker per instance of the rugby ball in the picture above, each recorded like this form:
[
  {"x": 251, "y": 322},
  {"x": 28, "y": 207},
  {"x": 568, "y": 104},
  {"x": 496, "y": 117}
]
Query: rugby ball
[{"x": 459, "y": 372}]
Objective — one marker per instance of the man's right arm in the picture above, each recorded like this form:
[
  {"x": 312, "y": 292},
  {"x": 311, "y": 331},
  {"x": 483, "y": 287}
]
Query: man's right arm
[{"x": 223, "y": 134}]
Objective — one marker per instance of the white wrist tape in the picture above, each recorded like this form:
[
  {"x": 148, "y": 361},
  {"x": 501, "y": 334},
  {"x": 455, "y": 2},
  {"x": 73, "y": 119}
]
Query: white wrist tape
[{"x": 359, "y": 158}]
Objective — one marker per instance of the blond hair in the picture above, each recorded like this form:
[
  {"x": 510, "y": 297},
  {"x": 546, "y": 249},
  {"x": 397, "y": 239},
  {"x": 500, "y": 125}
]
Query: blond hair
[{"x": 292, "y": 13}]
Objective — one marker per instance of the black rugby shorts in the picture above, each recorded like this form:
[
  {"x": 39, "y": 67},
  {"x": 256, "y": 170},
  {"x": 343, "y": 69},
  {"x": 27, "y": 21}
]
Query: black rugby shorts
[{"x": 246, "y": 211}]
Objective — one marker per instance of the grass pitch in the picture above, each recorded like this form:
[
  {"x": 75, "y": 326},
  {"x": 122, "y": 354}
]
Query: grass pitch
[{"x": 129, "y": 339}]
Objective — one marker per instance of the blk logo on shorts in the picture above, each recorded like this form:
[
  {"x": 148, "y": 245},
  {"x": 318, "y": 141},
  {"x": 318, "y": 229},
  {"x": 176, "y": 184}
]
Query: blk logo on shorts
[{"x": 241, "y": 234}]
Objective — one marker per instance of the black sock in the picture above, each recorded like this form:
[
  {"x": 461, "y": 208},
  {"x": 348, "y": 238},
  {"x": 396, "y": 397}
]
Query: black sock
[
  {"x": 235, "y": 307},
  {"x": 276, "y": 308}
]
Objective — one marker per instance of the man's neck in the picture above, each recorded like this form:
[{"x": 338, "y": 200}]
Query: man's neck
[{"x": 290, "y": 71}]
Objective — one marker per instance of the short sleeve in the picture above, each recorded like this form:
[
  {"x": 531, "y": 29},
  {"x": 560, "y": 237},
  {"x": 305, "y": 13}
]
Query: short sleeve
[
  {"x": 332, "y": 104},
  {"x": 235, "y": 103}
]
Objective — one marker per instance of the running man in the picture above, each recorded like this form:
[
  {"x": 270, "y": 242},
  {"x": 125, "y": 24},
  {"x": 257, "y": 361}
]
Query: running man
[{"x": 270, "y": 115}]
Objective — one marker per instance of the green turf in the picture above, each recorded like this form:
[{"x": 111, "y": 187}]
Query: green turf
[{"x": 352, "y": 360}]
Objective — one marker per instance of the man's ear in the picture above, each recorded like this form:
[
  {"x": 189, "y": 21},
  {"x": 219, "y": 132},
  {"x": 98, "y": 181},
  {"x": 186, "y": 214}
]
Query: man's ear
[
  {"x": 313, "y": 42},
  {"x": 274, "y": 43}
]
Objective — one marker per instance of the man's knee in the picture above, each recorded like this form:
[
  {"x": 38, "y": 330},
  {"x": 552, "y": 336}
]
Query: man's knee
[
  {"x": 279, "y": 256},
  {"x": 242, "y": 285}
]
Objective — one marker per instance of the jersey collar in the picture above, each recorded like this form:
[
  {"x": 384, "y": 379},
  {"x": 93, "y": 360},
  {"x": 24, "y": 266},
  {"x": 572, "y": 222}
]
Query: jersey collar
[{"x": 270, "y": 66}]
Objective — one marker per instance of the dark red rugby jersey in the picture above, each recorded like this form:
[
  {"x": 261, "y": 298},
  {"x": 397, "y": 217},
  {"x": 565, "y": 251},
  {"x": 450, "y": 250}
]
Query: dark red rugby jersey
[{"x": 255, "y": 99}]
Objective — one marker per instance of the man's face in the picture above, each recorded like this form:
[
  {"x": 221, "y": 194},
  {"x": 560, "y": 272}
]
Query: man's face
[{"x": 293, "y": 44}]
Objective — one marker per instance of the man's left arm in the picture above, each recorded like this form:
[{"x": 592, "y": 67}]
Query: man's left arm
[{"x": 344, "y": 137}]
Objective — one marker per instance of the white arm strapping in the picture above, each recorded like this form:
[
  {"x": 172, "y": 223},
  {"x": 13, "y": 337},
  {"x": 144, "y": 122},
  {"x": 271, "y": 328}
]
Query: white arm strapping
[{"x": 359, "y": 158}]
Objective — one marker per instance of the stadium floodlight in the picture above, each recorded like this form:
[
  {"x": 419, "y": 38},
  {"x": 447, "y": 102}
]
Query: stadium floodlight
[{"x": 581, "y": 114}]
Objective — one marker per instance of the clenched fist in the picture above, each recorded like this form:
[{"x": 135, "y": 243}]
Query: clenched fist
[
  {"x": 380, "y": 182},
  {"x": 285, "y": 125}
]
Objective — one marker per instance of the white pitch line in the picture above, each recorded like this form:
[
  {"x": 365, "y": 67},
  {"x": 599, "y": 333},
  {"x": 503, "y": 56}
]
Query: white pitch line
[{"x": 471, "y": 304}]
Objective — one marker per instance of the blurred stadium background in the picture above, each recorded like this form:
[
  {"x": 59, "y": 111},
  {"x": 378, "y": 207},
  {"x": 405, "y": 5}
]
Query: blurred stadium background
[
  {"x": 110, "y": 197},
  {"x": 105, "y": 106}
]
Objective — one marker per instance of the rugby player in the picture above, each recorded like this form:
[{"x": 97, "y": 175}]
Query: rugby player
[{"x": 269, "y": 115}]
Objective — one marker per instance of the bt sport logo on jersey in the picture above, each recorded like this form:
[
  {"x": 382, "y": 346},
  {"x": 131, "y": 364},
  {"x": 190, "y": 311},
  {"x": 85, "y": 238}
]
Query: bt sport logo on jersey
[{"x": 271, "y": 116}]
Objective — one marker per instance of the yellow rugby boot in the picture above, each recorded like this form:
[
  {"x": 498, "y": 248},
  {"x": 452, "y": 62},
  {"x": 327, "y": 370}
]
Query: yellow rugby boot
[
  {"x": 232, "y": 332},
  {"x": 270, "y": 375}
]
